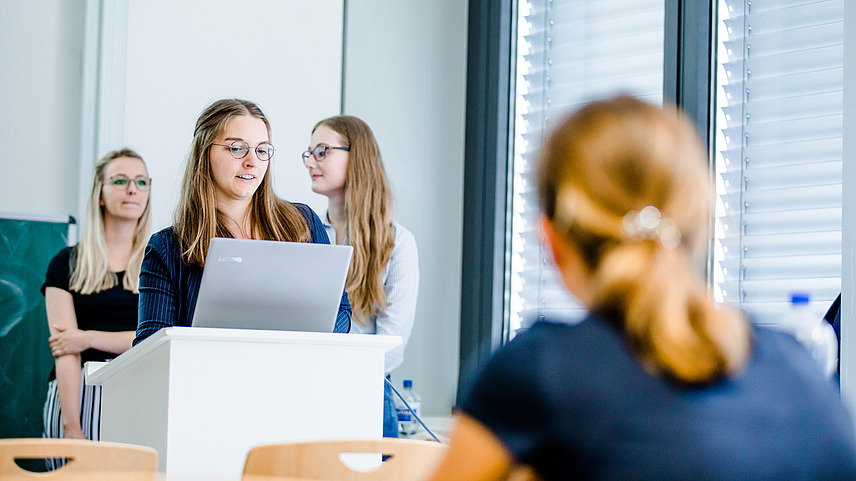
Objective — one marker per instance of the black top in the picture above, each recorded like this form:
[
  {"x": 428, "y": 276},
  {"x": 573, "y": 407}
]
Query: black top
[
  {"x": 575, "y": 403},
  {"x": 111, "y": 310}
]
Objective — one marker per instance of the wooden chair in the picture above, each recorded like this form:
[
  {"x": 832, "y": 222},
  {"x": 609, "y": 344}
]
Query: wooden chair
[
  {"x": 408, "y": 460},
  {"x": 85, "y": 459}
]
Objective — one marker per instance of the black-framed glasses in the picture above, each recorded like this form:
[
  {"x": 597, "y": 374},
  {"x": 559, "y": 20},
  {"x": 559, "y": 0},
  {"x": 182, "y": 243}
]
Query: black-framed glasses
[
  {"x": 239, "y": 149},
  {"x": 320, "y": 152},
  {"x": 122, "y": 181}
]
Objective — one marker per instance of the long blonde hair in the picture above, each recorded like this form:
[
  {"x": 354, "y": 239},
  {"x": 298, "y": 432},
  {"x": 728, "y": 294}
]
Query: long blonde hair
[
  {"x": 616, "y": 157},
  {"x": 368, "y": 208},
  {"x": 91, "y": 273},
  {"x": 197, "y": 218}
]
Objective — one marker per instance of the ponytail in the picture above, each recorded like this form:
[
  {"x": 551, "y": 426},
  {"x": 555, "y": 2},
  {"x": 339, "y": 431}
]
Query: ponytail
[
  {"x": 627, "y": 185},
  {"x": 668, "y": 315}
]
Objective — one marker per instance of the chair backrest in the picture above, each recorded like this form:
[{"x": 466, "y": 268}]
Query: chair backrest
[
  {"x": 84, "y": 458},
  {"x": 406, "y": 459}
]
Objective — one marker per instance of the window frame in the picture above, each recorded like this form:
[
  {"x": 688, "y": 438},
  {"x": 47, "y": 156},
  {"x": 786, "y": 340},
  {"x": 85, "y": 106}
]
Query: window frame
[
  {"x": 490, "y": 61},
  {"x": 689, "y": 57}
]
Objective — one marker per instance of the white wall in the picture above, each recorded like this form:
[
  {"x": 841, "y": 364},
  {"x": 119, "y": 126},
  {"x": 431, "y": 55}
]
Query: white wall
[
  {"x": 176, "y": 62},
  {"x": 181, "y": 56},
  {"x": 405, "y": 74},
  {"x": 40, "y": 56}
]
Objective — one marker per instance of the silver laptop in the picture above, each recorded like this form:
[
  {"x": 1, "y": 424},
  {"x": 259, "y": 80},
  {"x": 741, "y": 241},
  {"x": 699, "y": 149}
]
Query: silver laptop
[{"x": 283, "y": 286}]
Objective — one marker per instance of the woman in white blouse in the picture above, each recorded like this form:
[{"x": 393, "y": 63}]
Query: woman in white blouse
[{"x": 345, "y": 165}]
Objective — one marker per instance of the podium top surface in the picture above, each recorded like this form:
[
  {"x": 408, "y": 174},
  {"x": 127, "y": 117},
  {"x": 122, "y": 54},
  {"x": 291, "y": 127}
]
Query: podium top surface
[
  {"x": 256, "y": 335},
  {"x": 205, "y": 334}
]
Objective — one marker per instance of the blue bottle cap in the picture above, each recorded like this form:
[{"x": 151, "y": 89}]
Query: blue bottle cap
[
  {"x": 408, "y": 383},
  {"x": 799, "y": 298}
]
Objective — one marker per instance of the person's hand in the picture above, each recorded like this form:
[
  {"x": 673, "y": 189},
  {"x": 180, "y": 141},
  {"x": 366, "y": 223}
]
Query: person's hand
[
  {"x": 74, "y": 432},
  {"x": 71, "y": 341}
]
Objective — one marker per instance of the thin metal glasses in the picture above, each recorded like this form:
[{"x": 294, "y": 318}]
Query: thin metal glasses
[
  {"x": 239, "y": 149},
  {"x": 122, "y": 181},
  {"x": 320, "y": 152}
]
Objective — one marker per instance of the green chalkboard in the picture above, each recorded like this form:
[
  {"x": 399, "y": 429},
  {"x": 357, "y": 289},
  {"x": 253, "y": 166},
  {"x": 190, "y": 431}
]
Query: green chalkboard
[{"x": 27, "y": 244}]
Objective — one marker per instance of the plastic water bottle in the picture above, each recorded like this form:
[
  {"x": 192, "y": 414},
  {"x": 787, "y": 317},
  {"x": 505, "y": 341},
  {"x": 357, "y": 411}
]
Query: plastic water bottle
[
  {"x": 407, "y": 424},
  {"x": 813, "y": 332}
]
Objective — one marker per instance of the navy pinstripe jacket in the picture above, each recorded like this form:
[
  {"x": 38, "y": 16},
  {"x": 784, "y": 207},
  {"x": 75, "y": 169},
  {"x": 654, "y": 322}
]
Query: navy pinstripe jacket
[{"x": 169, "y": 287}]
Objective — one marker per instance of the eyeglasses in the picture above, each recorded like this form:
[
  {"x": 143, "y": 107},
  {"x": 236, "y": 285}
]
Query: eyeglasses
[
  {"x": 122, "y": 181},
  {"x": 239, "y": 149},
  {"x": 320, "y": 152}
]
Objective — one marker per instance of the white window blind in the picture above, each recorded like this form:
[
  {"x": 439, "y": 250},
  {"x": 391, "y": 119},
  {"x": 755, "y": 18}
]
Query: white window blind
[
  {"x": 778, "y": 154},
  {"x": 569, "y": 52}
]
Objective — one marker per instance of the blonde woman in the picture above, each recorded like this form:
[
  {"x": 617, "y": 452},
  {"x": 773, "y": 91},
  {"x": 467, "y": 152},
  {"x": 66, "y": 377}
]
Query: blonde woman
[
  {"x": 658, "y": 382},
  {"x": 345, "y": 165},
  {"x": 91, "y": 292},
  {"x": 226, "y": 192}
]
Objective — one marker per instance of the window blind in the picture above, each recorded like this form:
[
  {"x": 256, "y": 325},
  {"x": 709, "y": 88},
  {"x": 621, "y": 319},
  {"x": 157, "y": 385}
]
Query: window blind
[
  {"x": 569, "y": 52},
  {"x": 778, "y": 154}
]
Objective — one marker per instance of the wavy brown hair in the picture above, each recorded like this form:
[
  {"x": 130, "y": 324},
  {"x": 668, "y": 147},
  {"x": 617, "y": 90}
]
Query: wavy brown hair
[
  {"x": 197, "y": 218},
  {"x": 621, "y": 155},
  {"x": 91, "y": 272},
  {"x": 368, "y": 208}
]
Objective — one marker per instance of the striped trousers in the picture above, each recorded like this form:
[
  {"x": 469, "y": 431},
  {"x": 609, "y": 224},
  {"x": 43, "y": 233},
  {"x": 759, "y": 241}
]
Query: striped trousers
[
  {"x": 90, "y": 411},
  {"x": 90, "y": 414}
]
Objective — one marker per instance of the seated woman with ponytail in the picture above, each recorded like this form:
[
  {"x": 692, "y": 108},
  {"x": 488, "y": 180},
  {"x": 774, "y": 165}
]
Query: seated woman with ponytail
[{"x": 658, "y": 382}]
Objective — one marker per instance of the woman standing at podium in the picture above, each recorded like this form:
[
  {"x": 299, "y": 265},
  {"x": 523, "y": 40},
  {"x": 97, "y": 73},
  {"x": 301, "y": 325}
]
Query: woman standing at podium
[
  {"x": 91, "y": 292},
  {"x": 345, "y": 165},
  {"x": 226, "y": 192}
]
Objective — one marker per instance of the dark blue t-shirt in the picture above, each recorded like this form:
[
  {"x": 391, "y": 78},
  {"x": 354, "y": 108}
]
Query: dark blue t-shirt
[{"x": 574, "y": 402}]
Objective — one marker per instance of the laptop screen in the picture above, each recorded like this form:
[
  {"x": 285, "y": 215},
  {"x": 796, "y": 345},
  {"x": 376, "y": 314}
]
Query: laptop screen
[{"x": 256, "y": 284}]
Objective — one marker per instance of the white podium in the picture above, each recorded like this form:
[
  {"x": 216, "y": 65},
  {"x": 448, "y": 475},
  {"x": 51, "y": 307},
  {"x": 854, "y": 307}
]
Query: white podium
[{"x": 202, "y": 397}]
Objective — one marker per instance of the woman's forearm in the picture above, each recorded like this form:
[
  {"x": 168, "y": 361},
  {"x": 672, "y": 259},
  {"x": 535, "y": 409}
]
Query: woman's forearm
[
  {"x": 114, "y": 342},
  {"x": 68, "y": 389}
]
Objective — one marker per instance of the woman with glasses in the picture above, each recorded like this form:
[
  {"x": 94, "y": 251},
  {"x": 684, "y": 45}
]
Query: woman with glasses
[
  {"x": 658, "y": 382},
  {"x": 226, "y": 192},
  {"x": 91, "y": 292},
  {"x": 345, "y": 165}
]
